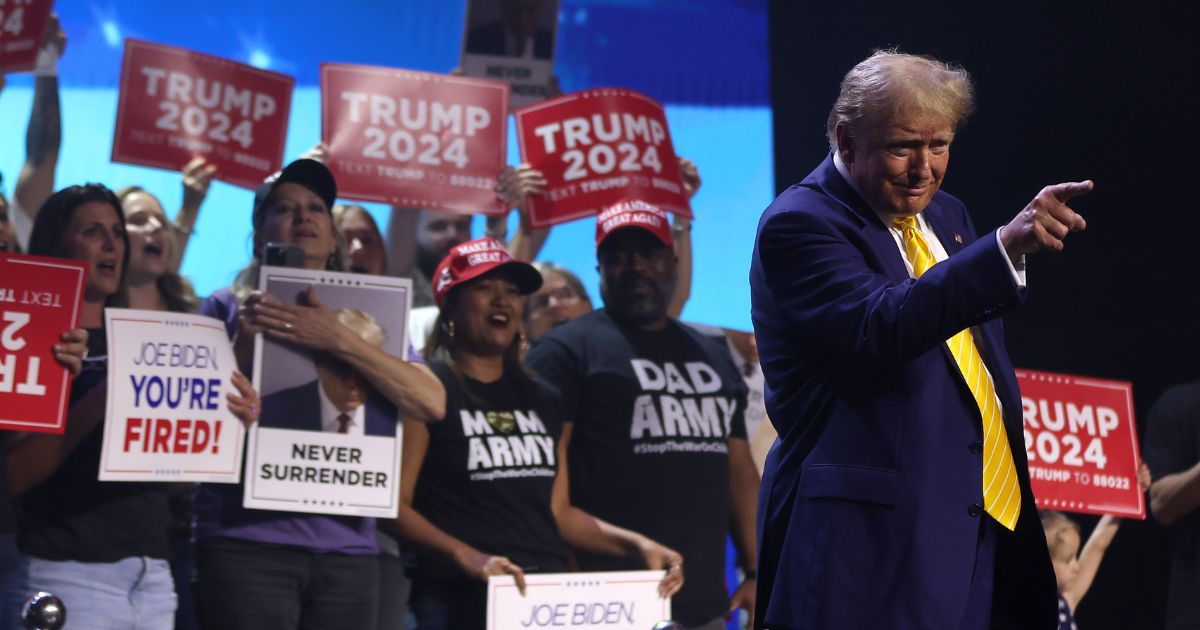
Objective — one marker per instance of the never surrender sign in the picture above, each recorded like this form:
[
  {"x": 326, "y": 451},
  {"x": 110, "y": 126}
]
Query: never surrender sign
[
  {"x": 326, "y": 441},
  {"x": 177, "y": 104},
  {"x": 414, "y": 139},
  {"x": 1082, "y": 444},
  {"x": 39, "y": 299},
  {"x": 167, "y": 418},
  {"x": 619, "y": 600},
  {"x": 596, "y": 148},
  {"x": 22, "y": 24}
]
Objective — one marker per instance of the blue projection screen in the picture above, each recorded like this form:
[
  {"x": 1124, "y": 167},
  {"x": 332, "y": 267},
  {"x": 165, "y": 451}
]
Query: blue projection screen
[{"x": 706, "y": 61}]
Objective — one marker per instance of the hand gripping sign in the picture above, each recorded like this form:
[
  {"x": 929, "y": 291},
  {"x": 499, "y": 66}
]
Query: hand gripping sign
[
  {"x": 39, "y": 299},
  {"x": 176, "y": 104},
  {"x": 414, "y": 139},
  {"x": 619, "y": 600},
  {"x": 1082, "y": 443},
  {"x": 598, "y": 147},
  {"x": 22, "y": 24},
  {"x": 167, "y": 418},
  {"x": 328, "y": 442}
]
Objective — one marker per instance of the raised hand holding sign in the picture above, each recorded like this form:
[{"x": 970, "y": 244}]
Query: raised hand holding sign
[{"x": 177, "y": 104}]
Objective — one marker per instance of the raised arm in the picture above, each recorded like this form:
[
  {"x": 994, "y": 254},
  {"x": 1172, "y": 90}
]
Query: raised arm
[
  {"x": 402, "y": 242},
  {"x": 43, "y": 136},
  {"x": 1089, "y": 559},
  {"x": 514, "y": 186},
  {"x": 681, "y": 233},
  {"x": 197, "y": 177}
]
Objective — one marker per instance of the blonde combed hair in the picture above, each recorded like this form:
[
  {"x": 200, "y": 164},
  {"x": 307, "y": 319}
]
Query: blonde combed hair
[{"x": 889, "y": 83}]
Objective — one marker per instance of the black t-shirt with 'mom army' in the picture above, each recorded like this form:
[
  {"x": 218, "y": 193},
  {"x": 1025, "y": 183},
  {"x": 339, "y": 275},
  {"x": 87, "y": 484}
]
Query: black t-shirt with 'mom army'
[
  {"x": 653, "y": 412},
  {"x": 489, "y": 472}
]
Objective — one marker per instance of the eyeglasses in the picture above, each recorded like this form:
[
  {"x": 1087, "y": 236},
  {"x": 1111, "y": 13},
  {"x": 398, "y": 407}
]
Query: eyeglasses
[
  {"x": 147, "y": 225},
  {"x": 562, "y": 295}
]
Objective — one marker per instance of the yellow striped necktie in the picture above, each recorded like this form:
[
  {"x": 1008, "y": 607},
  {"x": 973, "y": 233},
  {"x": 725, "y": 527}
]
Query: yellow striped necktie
[{"x": 1001, "y": 493}]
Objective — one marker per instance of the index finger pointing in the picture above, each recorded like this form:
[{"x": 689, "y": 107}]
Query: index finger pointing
[{"x": 1069, "y": 190}]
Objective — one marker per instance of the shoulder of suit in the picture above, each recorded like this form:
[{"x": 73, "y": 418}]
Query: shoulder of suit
[
  {"x": 800, "y": 206},
  {"x": 799, "y": 199}
]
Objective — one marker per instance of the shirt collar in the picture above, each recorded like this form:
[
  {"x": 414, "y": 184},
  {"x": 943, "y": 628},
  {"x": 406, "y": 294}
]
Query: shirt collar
[
  {"x": 330, "y": 413},
  {"x": 886, "y": 218}
]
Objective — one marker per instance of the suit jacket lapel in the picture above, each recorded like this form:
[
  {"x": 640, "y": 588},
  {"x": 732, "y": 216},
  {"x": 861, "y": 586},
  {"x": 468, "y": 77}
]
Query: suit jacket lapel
[
  {"x": 951, "y": 240},
  {"x": 828, "y": 180},
  {"x": 311, "y": 407},
  {"x": 987, "y": 336}
]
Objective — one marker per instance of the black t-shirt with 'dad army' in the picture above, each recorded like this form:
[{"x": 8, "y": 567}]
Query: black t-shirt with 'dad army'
[{"x": 653, "y": 412}]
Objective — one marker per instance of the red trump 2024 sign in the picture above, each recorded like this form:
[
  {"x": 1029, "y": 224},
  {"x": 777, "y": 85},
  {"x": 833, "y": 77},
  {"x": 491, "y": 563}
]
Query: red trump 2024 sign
[
  {"x": 596, "y": 148},
  {"x": 39, "y": 299},
  {"x": 176, "y": 104},
  {"x": 1082, "y": 443},
  {"x": 22, "y": 24},
  {"x": 414, "y": 139}
]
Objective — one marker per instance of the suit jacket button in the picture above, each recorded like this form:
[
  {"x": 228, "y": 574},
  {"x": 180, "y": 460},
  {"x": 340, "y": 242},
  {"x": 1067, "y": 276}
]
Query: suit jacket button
[
  {"x": 975, "y": 509},
  {"x": 976, "y": 447}
]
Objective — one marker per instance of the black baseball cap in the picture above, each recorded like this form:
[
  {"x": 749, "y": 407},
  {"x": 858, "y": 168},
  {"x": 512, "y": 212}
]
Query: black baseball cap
[{"x": 307, "y": 172}]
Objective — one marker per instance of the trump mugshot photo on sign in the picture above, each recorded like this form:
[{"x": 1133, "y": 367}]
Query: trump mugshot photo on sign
[{"x": 326, "y": 441}]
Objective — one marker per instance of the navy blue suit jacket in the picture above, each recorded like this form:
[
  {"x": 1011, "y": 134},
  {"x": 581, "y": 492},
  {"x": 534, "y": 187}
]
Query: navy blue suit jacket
[
  {"x": 868, "y": 515},
  {"x": 300, "y": 408}
]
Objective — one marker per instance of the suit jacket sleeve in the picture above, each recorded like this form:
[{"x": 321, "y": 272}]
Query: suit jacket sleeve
[{"x": 815, "y": 265}]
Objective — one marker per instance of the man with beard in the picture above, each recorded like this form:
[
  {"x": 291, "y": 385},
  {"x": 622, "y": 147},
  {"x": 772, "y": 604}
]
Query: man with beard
[
  {"x": 654, "y": 418},
  {"x": 429, "y": 235}
]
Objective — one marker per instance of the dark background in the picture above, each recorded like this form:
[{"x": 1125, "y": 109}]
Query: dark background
[{"x": 1064, "y": 91}]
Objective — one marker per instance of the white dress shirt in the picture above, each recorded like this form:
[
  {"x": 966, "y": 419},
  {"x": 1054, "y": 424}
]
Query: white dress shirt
[
  {"x": 935, "y": 248},
  {"x": 330, "y": 413},
  {"x": 935, "y": 245}
]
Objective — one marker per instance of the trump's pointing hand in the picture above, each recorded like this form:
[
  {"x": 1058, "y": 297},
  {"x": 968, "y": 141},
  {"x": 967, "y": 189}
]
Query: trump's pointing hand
[{"x": 1045, "y": 222}]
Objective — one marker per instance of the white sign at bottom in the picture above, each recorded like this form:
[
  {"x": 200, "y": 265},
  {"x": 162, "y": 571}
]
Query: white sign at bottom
[{"x": 625, "y": 600}]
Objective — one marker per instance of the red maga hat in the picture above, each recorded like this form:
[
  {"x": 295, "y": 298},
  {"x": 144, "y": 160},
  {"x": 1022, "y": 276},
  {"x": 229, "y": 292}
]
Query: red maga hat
[
  {"x": 632, "y": 213},
  {"x": 472, "y": 259}
]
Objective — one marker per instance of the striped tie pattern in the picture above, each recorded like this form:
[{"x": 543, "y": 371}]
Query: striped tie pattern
[{"x": 1001, "y": 494}]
